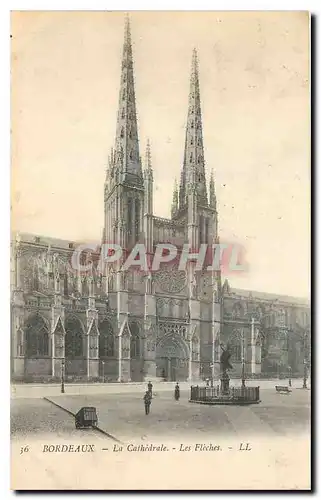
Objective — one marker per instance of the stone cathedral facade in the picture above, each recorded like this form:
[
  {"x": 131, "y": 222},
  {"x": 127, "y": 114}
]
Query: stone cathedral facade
[{"x": 129, "y": 325}]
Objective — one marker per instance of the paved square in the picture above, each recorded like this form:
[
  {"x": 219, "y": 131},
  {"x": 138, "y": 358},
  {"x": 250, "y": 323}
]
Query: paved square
[{"x": 123, "y": 416}]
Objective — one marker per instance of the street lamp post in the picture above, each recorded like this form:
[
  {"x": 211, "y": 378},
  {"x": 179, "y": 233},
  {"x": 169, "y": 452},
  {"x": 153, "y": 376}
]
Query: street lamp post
[
  {"x": 63, "y": 376},
  {"x": 290, "y": 376},
  {"x": 304, "y": 363},
  {"x": 243, "y": 360},
  {"x": 103, "y": 364},
  {"x": 304, "y": 374}
]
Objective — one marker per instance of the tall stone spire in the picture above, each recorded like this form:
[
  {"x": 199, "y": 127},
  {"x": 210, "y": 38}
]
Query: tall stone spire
[
  {"x": 212, "y": 192},
  {"x": 193, "y": 172},
  {"x": 127, "y": 161}
]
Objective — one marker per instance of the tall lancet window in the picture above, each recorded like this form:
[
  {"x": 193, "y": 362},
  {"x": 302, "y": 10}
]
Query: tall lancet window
[
  {"x": 200, "y": 229},
  {"x": 137, "y": 219},
  {"x": 129, "y": 215},
  {"x": 191, "y": 158},
  {"x": 192, "y": 142},
  {"x": 206, "y": 230}
]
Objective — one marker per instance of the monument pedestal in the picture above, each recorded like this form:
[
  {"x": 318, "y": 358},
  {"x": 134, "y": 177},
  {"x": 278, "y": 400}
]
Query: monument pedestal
[{"x": 225, "y": 384}]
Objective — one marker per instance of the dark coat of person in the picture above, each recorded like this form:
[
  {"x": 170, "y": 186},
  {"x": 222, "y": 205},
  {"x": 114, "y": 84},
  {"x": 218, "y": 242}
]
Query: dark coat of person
[
  {"x": 177, "y": 392},
  {"x": 150, "y": 388},
  {"x": 147, "y": 402}
]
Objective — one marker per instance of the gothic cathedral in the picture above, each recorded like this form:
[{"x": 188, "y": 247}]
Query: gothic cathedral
[{"x": 128, "y": 325}]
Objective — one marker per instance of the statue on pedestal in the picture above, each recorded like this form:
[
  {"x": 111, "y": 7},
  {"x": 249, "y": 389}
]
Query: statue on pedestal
[{"x": 225, "y": 366}]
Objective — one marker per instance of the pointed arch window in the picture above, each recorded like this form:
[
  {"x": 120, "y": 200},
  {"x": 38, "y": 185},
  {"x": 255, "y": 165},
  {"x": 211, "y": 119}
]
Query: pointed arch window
[
  {"x": 199, "y": 159},
  {"x": 206, "y": 229},
  {"x": 199, "y": 143},
  {"x": 200, "y": 228},
  {"x": 106, "y": 340},
  {"x": 191, "y": 158},
  {"x": 37, "y": 337},
  {"x": 35, "y": 278},
  {"x": 124, "y": 94},
  {"x": 236, "y": 352},
  {"x": 192, "y": 141},
  {"x": 192, "y": 124},
  {"x": 122, "y": 132},
  {"x": 130, "y": 133},
  {"x": 131, "y": 155},
  {"x": 123, "y": 113},
  {"x": 137, "y": 219},
  {"x": 135, "y": 350},
  {"x": 66, "y": 287},
  {"x": 73, "y": 338},
  {"x": 129, "y": 215}
]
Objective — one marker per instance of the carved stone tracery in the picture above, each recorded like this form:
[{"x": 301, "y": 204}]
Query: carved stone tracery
[
  {"x": 167, "y": 328},
  {"x": 170, "y": 279}
]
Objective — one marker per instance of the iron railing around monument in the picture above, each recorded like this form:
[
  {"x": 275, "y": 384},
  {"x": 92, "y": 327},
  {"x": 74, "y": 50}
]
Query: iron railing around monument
[{"x": 199, "y": 393}]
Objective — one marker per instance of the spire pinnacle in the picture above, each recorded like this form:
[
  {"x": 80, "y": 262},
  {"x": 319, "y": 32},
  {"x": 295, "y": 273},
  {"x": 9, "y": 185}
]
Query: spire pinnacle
[
  {"x": 127, "y": 29},
  {"x": 193, "y": 172},
  {"x": 148, "y": 161},
  {"x": 127, "y": 157},
  {"x": 194, "y": 62}
]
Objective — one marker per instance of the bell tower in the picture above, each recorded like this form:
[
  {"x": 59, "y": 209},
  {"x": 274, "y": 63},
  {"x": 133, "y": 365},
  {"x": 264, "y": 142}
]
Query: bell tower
[
  {"x": 124, "y": 185},
  {"x": 193, "y": 205}
]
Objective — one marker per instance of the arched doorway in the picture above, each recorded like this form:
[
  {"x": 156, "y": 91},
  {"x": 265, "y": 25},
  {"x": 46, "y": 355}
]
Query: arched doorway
[{"x": 172, "y": 358}]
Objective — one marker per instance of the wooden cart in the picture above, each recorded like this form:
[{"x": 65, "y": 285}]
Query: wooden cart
[{"x": 86, "y": 417}]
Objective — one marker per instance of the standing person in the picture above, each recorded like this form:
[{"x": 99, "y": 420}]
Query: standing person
[
  {"x": 147, "y": 402},
  {"x": 150, "y": 388},
  {"x": 177, "y": 392}
]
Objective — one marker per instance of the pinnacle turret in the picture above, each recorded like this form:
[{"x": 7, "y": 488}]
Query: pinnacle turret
[
  {"x": 193, "y": 171},
  {"x": 174, "y": 207},
  {"x": 148, "y": 170}
]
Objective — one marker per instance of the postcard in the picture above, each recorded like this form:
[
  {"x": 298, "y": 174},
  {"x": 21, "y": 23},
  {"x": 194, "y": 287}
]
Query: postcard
[{"x": 160, "y": 250}]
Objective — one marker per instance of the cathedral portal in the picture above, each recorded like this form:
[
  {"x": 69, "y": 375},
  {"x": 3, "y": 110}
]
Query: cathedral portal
[{"x": 172, "y": 358}]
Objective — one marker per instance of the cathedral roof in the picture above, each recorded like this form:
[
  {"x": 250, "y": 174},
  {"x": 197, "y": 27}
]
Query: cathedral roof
[{"x": 272, "y": 297}]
